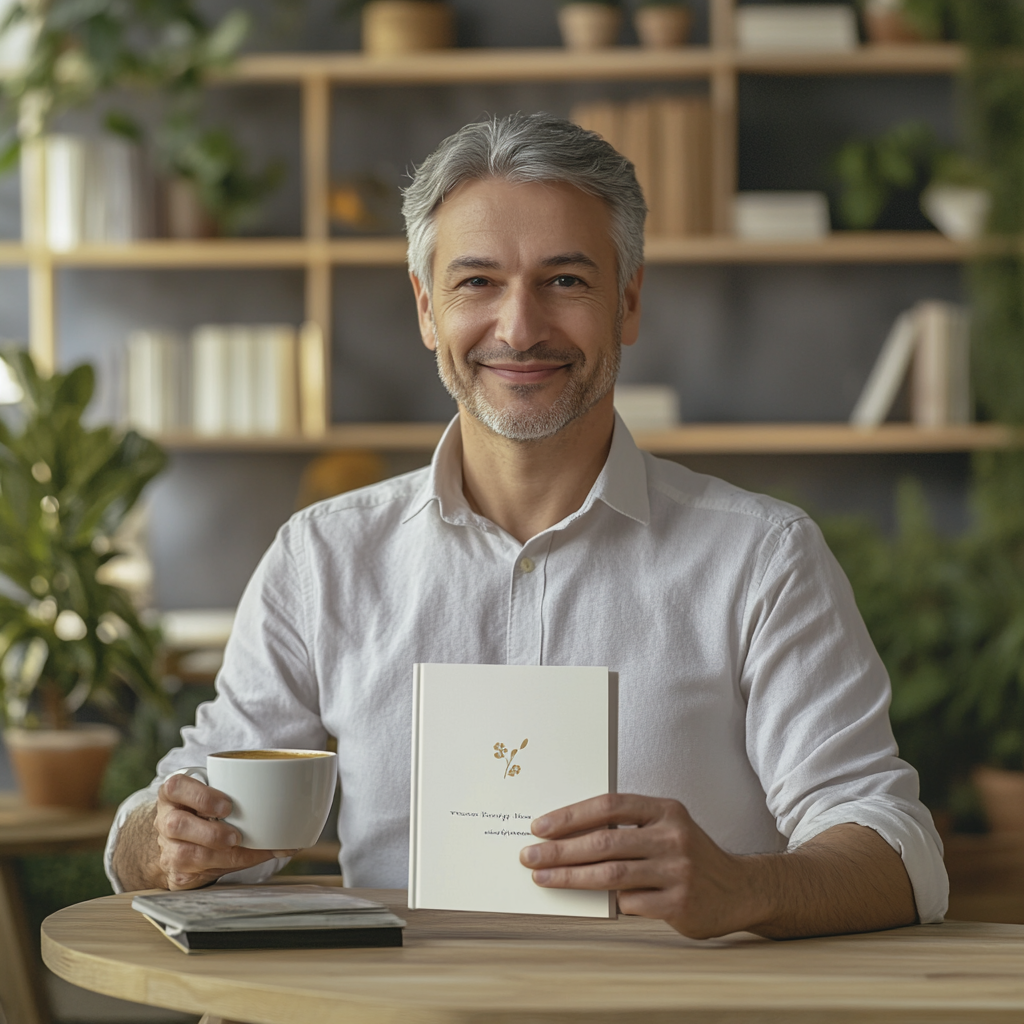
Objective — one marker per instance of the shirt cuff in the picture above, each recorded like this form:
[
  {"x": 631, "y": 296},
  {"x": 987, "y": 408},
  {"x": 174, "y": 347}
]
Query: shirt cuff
[
  {"x": 258, "y": 873},
  {"x": 908, "y": 831}
]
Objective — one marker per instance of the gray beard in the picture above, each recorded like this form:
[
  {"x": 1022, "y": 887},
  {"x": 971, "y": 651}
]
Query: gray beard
[{"x": 584, "y": 389}]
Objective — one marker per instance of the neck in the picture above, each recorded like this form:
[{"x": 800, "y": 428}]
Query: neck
[{"x": 525, "y": 487}]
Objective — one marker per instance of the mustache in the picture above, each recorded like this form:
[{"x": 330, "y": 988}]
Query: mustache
[{"x": 539, "y": 353}]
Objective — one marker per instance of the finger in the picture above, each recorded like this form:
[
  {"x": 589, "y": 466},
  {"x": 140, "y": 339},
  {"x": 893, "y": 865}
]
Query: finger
[
  {"x": 642, "y": 902},
  {"x": 185, "y": 791},
  {"x": 603, "y": 844},
  {"x": 613, "y": 874},
  {"x": 599, "y": 812},
  {"x": 181, "y": 824},
  {"x": 187, "y": 858}
]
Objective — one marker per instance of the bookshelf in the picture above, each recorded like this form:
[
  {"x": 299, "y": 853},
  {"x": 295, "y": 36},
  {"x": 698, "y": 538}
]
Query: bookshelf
[{"x": 317, "y": 253}]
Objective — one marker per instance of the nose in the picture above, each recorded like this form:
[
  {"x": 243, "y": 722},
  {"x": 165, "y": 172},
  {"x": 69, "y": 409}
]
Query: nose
[{"x": 520, "y": 320}]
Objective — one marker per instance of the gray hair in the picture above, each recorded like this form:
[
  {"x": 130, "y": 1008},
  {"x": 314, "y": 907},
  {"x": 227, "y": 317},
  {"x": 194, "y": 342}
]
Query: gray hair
[{"x": 521, "y": 148}]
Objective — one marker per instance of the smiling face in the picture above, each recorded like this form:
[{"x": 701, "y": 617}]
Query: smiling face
[{"x": 525, "y": 315}]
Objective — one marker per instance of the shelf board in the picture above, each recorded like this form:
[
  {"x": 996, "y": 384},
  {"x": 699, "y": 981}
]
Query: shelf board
[
  {"x": 690, "y": 439},
  {"x": 839, "y": 247},
  {"x": 555, "y": 64}
]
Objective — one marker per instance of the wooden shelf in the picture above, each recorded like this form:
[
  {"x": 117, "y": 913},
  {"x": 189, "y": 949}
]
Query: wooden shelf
[
  {"x": 839, "y": 247},
  {"x": 691, "y": 439},
  {"x": 618, "y": 63}
]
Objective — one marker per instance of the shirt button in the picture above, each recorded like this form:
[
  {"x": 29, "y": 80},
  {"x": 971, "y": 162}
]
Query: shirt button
[{"x": 526, "y": 565}]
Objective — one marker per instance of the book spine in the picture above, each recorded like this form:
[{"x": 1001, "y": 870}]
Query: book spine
[
  {"x": 143, "y": 382},
  {"x": 65, "y": 199},
  {"x": 209, "y": 380},
  {"x": 414, "y": 789},
  {"x": 887, "y": 374},
  {"x": 312, "y": 380},
  {"x": 276, "y": 403},
  {"x": 638, "y": 145},
  {"x": 930, "y": 376},
  {"x": 241, "y": 419}
]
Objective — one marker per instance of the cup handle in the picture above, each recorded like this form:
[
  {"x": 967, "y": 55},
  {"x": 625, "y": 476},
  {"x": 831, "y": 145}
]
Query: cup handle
[{"x": 194, "y": 772}]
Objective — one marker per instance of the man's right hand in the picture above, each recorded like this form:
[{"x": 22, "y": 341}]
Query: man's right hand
[{"x": 180, "y": 843}]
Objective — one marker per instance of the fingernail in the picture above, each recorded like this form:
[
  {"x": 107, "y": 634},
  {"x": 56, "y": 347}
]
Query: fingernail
[
  {"x": 233, "y": 838},
  {"x": 530, "y": 854},
  {"x": 542, "y": 877},
  {"x": 541, "y": 826},
  {"x": 284, "y": 853},
  {"x": 222, "y": 810}
]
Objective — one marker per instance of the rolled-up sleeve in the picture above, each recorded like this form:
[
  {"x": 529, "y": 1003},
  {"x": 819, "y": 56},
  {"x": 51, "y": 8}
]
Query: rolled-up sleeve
[
  {"x": 818, "y": 732},
  {"x": 267, "y": 694}
]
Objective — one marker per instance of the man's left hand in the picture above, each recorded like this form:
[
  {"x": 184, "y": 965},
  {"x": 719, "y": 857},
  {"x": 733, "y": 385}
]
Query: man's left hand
[
  {"x": 665, "y": 867},
  {"x": 846, "y": 879}
]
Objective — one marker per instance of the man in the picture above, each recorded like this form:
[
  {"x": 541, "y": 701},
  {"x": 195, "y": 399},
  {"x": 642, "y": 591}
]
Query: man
[{"x": 753, "y": 708}]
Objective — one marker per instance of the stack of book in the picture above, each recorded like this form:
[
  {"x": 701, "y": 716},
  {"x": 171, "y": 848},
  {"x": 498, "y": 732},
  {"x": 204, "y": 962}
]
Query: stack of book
[
  {"x": 92, "y": 192},
  {"x": 228, "y": 380},
  {"x": 792, "y": 27},
  {"x": 929, "y": 349},
  {"x": 668, "y": 141}
]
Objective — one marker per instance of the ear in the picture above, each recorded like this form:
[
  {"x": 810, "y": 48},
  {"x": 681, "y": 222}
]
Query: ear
[
  {"x": 631, "y": 308},
  {"x": 423, "y": 314}
]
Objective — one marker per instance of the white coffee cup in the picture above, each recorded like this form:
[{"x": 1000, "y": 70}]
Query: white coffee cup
[{"x": 280, "y": 798}]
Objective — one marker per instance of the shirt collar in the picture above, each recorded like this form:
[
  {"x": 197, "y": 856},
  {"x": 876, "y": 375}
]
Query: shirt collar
[{"x": 621, "y": 484}]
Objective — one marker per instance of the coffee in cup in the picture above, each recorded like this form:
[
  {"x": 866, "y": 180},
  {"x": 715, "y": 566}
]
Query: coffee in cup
[{"x": 280, "y": 798}]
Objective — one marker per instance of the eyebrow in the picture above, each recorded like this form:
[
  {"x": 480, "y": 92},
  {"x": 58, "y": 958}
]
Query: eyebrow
[{"x": 565, "y": 259}]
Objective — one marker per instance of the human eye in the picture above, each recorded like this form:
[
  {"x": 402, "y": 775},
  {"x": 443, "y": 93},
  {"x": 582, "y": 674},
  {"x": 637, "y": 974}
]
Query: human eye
[
  {"x": 567, "y": 281},
  {"x": 476, "y": 282}
]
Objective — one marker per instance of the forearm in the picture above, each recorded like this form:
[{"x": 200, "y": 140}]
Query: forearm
[
  {"x": 136, "y": 859},
  {"x": 847, "y": 879}
]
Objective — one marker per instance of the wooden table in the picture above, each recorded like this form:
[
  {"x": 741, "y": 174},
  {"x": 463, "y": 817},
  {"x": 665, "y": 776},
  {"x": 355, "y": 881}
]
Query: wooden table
[
  {"x": 24, "y": 831},
  {"x": 499, "y": 969}
]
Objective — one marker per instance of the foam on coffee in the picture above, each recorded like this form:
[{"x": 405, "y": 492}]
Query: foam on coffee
[{"x": 270, "y": 755}]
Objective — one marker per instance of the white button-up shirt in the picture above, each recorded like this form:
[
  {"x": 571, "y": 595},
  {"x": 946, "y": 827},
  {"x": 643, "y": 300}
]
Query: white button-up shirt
[{"x": 749, "y": 689}]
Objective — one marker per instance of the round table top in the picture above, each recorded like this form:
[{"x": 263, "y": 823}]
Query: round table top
[{"x": 463, "y": 967}]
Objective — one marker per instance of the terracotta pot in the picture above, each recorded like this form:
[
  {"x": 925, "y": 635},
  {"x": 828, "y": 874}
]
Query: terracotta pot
[
  {"x": 662, "y": 27},
  {"x": 1002, "y": 796},
  {"x": 589, "y": 26},
  {"x": 887, "y": 26},
  {"x": 392, "y": 27},
  {"x": 61, "y": 767},
  {"x": 184, "y": 215}
]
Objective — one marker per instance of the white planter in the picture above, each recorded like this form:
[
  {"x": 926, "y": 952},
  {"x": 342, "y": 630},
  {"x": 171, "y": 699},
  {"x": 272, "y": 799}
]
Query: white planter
[{"x": 958, "y": 212}]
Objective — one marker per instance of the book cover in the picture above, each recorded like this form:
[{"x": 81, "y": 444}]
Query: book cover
[
  {"x": 887, "y": 374},
  {"x": 940, "y": 387},
  {"x": 493, "y": 747},
  {"x": 276, "y": 386},
  {"x": 210, "y": 377}
]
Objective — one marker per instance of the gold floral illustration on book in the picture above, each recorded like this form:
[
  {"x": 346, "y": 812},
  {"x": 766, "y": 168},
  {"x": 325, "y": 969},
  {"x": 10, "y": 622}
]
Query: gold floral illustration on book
[{"x": 501, "y": 753}]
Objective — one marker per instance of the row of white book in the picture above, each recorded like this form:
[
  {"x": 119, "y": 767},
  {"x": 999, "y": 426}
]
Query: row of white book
[
  {"x": 928, "y": 349},
  {"x": 92, "y": 191},
  {"x": 225, "y": 380}
]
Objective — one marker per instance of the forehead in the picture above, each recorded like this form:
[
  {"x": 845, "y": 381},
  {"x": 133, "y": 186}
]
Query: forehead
[{"x": 530, "y": 218}]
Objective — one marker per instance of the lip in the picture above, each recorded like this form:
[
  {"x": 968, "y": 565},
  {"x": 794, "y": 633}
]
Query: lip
[{"x": 517, "y": 373}]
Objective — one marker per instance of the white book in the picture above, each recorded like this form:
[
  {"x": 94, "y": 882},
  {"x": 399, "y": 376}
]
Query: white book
[
  {"x": 781, "y": 216},
  {"x": 65, "y": 161},
  {"x": 647, "y": 406},
  {"x": 796, "y": 27},
  {"x": 276, "y": 380},
  {"x": 940, "y": 391},
  {"x": 888, "y": 373},
  {"x": 157, "y": 382},
  {"x": 313, "y": 397},
  {"x": 210, "y": 380},
  {"x": 241, "y": 414},
  {"x": 112, "y": 191},
  {"x": 493, "y": 747}
]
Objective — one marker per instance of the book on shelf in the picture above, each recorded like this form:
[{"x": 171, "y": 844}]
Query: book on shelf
[
  {"x": 92, "y": 191},
  {"x": 647, "y": 406},
  {"x": 929, "y": 347},
  {"x": 781, "y": 216},
  {"x": 269, "y": 917},
  {"x": 157, "y": 398},
  {"x": 493, "y": 747},
  {"x": 245, "y": 380},
  {"x": 668, "y": 141},
  {"x": 804, "y": 27}
]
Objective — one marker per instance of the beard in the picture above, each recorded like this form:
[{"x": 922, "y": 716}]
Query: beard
[{"x": 587, "y": 384}]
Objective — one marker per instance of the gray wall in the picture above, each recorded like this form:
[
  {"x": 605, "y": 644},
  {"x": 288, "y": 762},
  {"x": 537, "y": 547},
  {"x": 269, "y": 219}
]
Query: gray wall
[{"x": 739, "y": 342}]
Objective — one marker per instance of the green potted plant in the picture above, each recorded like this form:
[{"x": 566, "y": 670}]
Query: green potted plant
[
  {"x": 591, "y": 25},
  {"x": 67, "y": 637},
  {"x": 80, "y": 51},
  {"x": 662, "y": 24},
  {"x": 393, "y": 27},
  {"x": 905, "y": 21},
  {"x": 908, "y": 158}
]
